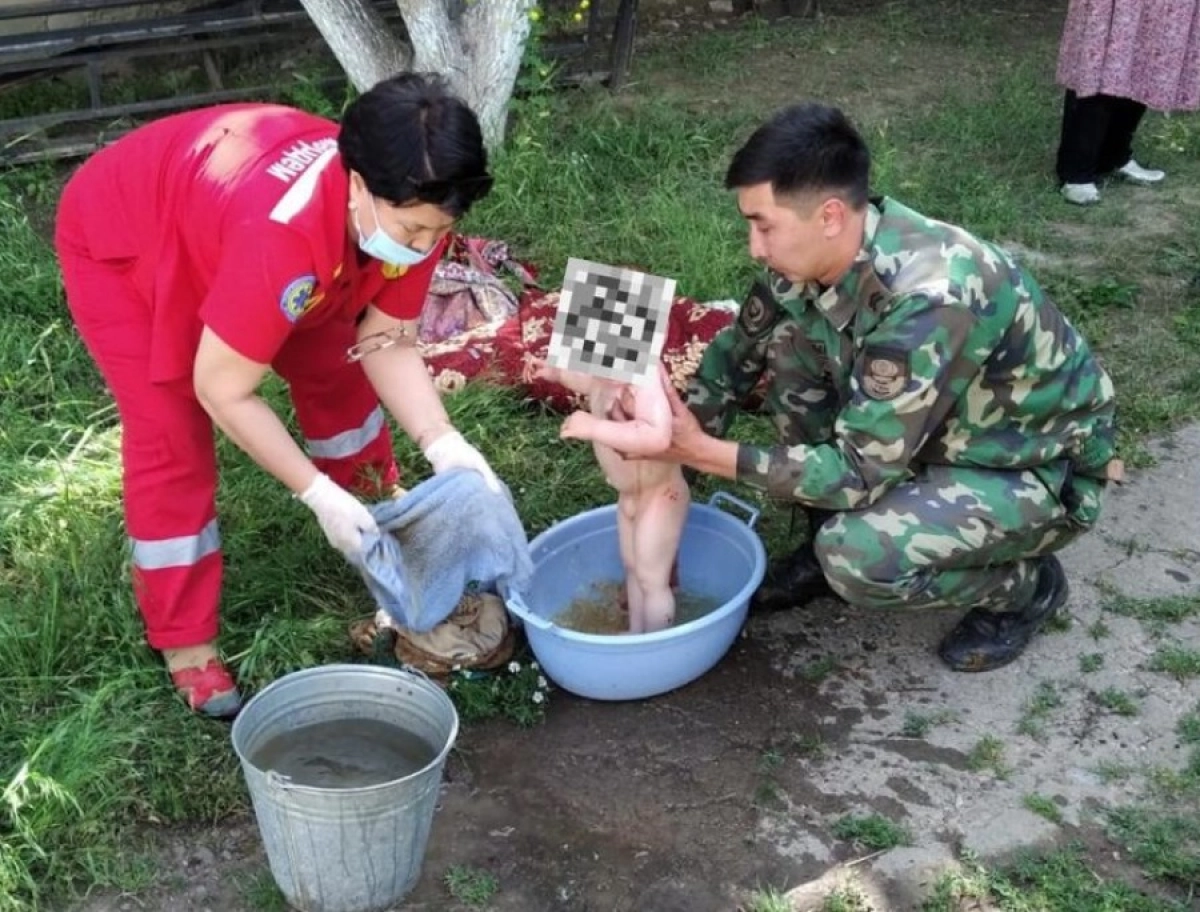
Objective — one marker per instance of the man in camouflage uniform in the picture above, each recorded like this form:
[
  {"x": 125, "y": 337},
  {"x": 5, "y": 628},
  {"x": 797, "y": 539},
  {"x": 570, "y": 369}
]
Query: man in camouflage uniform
[{"x": 944, "y": 424}]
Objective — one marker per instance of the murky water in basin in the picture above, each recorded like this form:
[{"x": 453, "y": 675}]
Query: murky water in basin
[{"x": 599, "y": 610}]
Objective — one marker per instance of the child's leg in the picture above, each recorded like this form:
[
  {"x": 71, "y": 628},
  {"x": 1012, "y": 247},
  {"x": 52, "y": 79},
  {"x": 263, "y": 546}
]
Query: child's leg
[
  {"x": 627, "y": 510},
  {"x": 662, "y": 511}
]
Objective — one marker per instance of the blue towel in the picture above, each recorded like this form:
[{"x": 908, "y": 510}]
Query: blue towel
[{"x": 446, "y": 532}]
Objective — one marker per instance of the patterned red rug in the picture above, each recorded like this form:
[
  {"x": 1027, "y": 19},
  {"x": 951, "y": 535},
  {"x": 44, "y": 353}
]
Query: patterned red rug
[{"x": 476, "y": 328}]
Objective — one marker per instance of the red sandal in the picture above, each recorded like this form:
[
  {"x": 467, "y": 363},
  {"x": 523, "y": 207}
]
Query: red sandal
[{"x": 209, "y": 690}]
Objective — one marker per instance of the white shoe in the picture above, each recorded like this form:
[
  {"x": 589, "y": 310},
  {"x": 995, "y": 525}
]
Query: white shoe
[
  {"x": 1134, "y": 172},
  {"x": 1081, "y": 194}
]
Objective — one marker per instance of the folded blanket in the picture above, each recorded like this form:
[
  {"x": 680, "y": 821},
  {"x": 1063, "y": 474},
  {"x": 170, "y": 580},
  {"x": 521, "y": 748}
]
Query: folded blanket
[{"x": 445, "y": 533}]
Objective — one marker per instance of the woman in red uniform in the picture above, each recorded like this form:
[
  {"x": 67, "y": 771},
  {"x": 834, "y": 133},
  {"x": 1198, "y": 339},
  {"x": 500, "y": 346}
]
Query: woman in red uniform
[{"x": 206, "y": 248}]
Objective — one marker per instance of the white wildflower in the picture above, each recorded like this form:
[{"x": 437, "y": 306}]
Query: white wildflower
[
  {"x": 450, "y": 381},
  {"x": 541, "y": 682},
  {"x": 538, "y": 697},
  {"x": 534, "y": 666},
  {"x": 514, "y": 667}
]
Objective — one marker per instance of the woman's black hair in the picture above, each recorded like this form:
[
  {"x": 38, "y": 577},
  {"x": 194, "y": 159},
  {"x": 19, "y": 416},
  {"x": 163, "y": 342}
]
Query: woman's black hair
[
  {"x": 413, "y": 141},
  {"x": 805, "y": 148}
]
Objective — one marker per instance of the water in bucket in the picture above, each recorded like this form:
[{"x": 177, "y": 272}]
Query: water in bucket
[
  {"x": 344, "y": 764},
  {"x": 344, "y": 753},
  {"x": 599, "y": 611}
]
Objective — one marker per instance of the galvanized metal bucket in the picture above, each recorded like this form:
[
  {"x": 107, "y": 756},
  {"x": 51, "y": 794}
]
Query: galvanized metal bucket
[{"x": 352, "y": 849}]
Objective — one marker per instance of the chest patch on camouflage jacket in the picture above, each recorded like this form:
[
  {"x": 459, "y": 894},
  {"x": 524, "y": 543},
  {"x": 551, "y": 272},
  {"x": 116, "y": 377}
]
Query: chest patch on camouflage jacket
[
  {"x": 759, "y": 311},
  {"x": 885, "y": 373}
]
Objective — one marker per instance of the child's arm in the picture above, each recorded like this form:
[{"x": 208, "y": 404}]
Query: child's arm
[
  {"x": 648, "y": 433},
  {"x": 576, "y": 382}
]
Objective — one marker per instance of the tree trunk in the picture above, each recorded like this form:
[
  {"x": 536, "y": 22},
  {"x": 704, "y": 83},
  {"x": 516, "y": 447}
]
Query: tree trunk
[
  {"x": 360, "y": 40},
  {"x": 477, "y": 47},
  {"x": 494, "y": 34},
  {"x": 479, "y": 53}
]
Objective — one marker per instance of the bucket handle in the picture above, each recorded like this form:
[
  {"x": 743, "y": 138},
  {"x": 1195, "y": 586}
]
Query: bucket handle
[
  {"x": 414, "y": 670},
  {"x": 721, "y": 497},
  {"x": 528, "y": 616},
  {"x": 277, "y": 780}
]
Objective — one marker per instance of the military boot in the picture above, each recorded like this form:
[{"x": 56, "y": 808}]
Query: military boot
[
  {"x": 984, "y": 640},
  {"x": 796, "y": 579}
]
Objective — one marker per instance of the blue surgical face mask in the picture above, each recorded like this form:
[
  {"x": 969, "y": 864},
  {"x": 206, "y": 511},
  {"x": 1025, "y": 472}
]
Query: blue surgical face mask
[{"x": 382, "y": 246}]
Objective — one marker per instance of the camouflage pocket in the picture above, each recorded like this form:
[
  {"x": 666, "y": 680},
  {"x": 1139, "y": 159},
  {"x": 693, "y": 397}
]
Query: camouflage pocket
[
  {"x": 1080, "y": 495},
  {"x": 1083, "y": 497}
]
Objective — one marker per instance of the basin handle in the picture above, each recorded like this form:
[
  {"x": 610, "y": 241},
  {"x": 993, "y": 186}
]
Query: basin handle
[
  {"x": 515, "y": 600},
  {"x": 721, "y": 497}
]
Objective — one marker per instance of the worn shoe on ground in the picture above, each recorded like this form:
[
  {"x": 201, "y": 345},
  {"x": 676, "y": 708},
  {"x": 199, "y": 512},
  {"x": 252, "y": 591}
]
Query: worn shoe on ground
[
  {"x": 791, "y": 582},
  {"x": 984, "y": 640},
  {"x": 1136, "y": 174},
  {"x": 1081, "y": 194},
  {"x": 202, "y": 679}
]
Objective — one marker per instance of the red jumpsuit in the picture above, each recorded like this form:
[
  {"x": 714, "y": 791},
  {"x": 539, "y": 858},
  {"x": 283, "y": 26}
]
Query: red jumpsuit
[{"x": 235, "y": 218}]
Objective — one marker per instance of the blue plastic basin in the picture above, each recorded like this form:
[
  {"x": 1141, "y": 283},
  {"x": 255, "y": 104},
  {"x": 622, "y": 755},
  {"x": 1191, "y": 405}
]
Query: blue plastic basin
[{"x": 720, "y": 558}]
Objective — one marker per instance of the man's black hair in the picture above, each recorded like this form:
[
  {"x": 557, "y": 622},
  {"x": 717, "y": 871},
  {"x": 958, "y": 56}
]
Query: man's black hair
[
  {"x": 413, "y": 141},
  {"x": 805, "y": 148}
]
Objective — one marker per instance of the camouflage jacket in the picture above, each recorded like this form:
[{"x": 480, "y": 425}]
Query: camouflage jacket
[{"x": 934, "y": 347}]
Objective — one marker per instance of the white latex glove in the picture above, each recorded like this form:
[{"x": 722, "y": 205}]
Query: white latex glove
[
  {"x": 342, "y": 516},
  {"x": 451, "y": 451}
]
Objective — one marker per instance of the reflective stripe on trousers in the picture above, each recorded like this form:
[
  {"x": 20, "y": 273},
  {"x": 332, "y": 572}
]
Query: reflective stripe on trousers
[{"x": 183, "y": 551}]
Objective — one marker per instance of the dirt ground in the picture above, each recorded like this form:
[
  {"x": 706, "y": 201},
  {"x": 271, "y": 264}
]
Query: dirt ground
[{"x": 691, "y": 801}]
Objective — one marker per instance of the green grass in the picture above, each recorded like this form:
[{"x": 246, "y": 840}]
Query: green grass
[
  {"x": 471, "y": 886},
  {"x": 1170, "y": 609},
  {"x": 1058, "y": 881},
  {"x": 918, "y": 725},
  {"x": 1043, "y": 807},
  {"x": 1041, "y": 705},
  {"x": 96, "y": 750},
  {"x": 988, "y": 754},
  {"x": 768, "y": 900},
  {"x": 769, "y": 761},
  {"x": 1166, "y": 845},
  {"x": 1179, "y": 661},
  {"x": 818, "y": 671},
  {"x": 1092, "y": 661},
  {"x": 845, "y": 899},
  {"x": 518, "y": 692},
  {"x": 1189, "y": 728},
  {"x": 810, "y": 746},
  {"x": 1117, "y": 701},
  {"x": 1161, "y": 834},
  {"x": 1098, "y": 630},
  {"x": 769, "y": 795},
  {"x": 873, "y": 832},
  {"x": 1114, "y": 771},
  {"x": 261, "y": 893}
]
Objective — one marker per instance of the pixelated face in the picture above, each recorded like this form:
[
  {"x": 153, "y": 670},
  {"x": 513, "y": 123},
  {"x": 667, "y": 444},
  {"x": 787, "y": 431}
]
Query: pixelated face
[
  {"x": 610, "y": 323},
  {"x": 789, "y": 238}
]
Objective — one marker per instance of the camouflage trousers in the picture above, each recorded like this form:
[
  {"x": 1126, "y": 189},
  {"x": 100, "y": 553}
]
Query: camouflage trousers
[{"x": 955, "y": 537}]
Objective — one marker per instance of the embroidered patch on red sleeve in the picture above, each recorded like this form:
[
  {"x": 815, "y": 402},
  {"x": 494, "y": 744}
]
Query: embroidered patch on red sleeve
[{"x": 297, "y": 297}]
